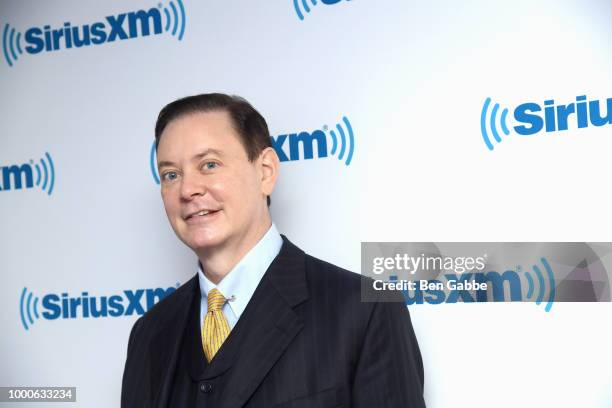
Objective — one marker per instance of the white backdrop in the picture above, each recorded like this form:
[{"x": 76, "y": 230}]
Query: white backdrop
[{"x": 411, "y": 77}]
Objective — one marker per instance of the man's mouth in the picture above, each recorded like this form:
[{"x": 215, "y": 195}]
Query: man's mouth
[{"x": 202, "y": 213}]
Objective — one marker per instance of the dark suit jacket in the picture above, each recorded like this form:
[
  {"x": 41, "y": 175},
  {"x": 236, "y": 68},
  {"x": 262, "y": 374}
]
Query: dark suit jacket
[{"x": 304, "y": 340}]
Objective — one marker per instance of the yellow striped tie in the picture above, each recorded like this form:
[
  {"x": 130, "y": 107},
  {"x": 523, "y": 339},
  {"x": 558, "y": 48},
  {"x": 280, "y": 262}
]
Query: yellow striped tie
[{"x": 216, "y": 329}]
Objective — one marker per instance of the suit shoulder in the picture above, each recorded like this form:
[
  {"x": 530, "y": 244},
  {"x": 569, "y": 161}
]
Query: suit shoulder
[
  {"x": 319, "y": 268},
  {"x": 325, "y": 276}
]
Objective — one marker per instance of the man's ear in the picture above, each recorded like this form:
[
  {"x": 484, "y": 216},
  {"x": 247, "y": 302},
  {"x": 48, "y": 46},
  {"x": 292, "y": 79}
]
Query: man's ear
[{"x": 270, "y": 165}]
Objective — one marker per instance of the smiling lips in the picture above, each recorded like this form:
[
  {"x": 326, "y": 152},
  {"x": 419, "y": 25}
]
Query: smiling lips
[{"x": 200, "y": 214}]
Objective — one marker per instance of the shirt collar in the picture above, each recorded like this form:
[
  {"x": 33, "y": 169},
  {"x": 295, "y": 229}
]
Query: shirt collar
[{"x": 240, "y": 283}]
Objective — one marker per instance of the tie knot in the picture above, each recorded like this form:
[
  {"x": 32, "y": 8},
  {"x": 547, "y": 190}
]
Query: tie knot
[{"x": 215, "y": 300}]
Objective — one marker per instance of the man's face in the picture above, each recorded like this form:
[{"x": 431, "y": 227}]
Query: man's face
[{"x": 213, "y": 195}]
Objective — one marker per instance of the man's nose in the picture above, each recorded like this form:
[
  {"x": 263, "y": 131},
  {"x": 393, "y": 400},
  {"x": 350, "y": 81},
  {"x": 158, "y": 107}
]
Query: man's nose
[{"x": 192, "y": 185}]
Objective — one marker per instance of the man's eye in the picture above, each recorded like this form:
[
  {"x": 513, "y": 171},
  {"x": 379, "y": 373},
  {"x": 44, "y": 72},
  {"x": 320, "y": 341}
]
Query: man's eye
[
  {"x": 170, "y": 176},
  {"x": 209, "y": 165}
]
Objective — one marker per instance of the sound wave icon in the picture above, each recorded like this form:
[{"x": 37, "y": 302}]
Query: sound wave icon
[
  {"x": 307, "y": 4},
  {"x": 176, "y": 19},
  {"x": 539, "y": 296},
  {"x": 28, "y": 308},
  {"x": 344, "y": 143},
  {"x": 153, "y": 163},
  {"x": 11, "y": 44},
  {"x": 492, "y": 123},
  {"x": 306, "y": 7},
  {"x": 296, "y": 5},
  {"x": 46, "y": 175}
]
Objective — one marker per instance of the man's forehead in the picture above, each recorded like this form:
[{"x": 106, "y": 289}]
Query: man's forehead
[{"x": 199, "y": 131}]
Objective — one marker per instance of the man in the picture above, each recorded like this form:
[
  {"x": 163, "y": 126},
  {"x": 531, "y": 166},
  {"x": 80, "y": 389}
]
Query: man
[{"x": 261, "y": 324}]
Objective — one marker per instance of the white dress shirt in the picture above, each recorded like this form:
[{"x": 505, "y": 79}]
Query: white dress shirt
[{"x": 240, "y": 283}]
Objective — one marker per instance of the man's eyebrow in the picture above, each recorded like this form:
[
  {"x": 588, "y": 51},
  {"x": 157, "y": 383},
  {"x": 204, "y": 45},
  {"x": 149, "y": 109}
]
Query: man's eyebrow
[{"x": 197, "y": 157}]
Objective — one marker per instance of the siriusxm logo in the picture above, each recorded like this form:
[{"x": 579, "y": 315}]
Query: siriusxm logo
[
  {"x": 20, "y": 176},
  {"x": 123, "y": 26},
  {"x": 338, "y": 141},
  {"x": 498, "y": 287},
  {"x": 304, "y": 5},
  {"x": 532, "y": 118},
  {"x": 62, "y": 306}
]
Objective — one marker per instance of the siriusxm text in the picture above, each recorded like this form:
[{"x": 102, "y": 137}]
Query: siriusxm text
[
  {"x": 558, "y": 117},
  {"x": 86, "y": 306},
  {"x": 305, "y": 139},
  {"x": 122, "y": 26},
  {"x": 16, "y": 177}
]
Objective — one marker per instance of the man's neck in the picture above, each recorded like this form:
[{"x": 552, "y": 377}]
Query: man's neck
[{"x": 218, "y": 262}]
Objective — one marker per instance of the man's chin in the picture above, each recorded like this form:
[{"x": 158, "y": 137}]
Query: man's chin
[{"x": 203, "y": 243}]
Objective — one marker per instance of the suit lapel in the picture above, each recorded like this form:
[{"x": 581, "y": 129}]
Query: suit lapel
[
  {"x": 260, "y": 337},
  {"x": 265, "y": 329},
  {"x": 166, "y": 342}
]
